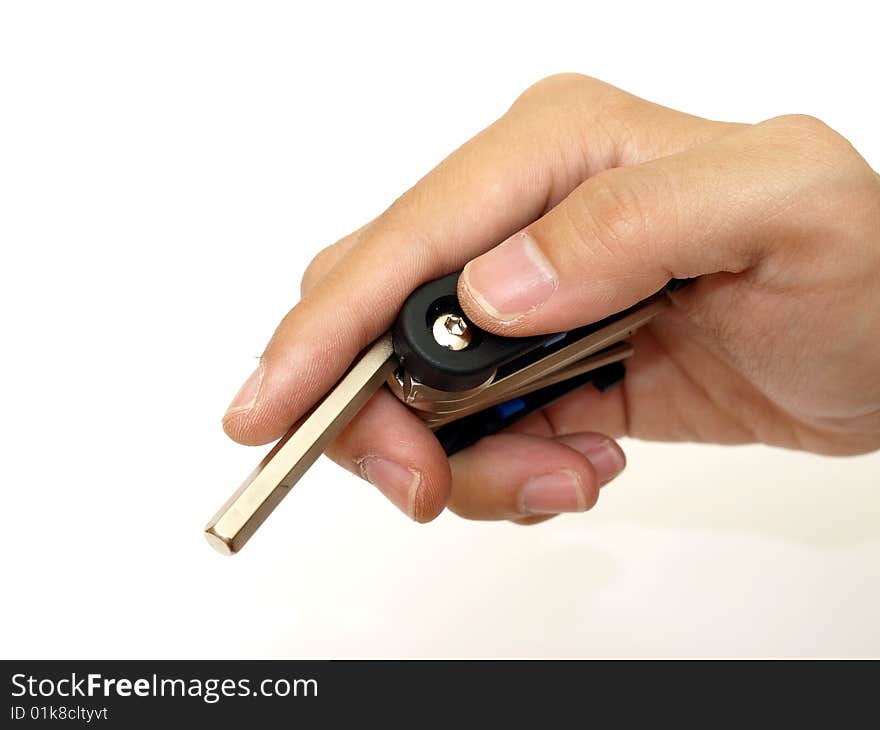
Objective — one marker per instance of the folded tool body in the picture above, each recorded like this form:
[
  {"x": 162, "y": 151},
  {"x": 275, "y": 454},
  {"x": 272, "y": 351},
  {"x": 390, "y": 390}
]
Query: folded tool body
[{"x": 465, "y": 383}]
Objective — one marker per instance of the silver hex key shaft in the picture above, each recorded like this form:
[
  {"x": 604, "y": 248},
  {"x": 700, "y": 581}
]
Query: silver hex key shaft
[{"x": 298, "y": 449}]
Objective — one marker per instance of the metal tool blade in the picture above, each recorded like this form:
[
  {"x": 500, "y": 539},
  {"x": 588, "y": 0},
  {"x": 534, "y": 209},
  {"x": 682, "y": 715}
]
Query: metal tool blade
[
  {"x": 438, "y": 402},
  {"x": 447, "y": 414},
  {"x": 298, "y": 449}
]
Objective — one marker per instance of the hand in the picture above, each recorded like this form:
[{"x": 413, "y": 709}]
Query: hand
[{"x": 599, "y": 198}]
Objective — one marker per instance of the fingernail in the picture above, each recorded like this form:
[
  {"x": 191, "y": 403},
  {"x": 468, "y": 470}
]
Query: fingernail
[
  {"x": 398, "y": 483},
  {"x": 553, "y": 493},
  {"x": 606, "y": 456},
  {"x": 512, "y": 279},
  {"x": 247, "y": 394}
]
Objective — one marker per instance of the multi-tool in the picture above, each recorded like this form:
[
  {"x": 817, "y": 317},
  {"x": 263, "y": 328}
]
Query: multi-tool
[{"x": 464, "y": 382}]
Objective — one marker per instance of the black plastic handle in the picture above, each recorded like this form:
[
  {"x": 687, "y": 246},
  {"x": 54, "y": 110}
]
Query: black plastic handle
[
  {"x": 453, "y": 370},
  {"x": 437, "y": 366}
]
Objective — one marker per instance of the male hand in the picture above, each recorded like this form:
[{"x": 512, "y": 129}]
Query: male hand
[{"x": 600, "y": 198}]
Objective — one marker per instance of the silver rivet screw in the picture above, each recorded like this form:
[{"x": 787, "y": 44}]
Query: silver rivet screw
[{"x": 451, "y": 330}]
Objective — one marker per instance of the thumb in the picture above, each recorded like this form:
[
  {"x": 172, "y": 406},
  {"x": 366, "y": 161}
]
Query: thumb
[{"x": 622, "y": 234}]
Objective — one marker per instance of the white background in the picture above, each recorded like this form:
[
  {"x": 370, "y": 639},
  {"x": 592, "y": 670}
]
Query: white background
[{"x": 168, "y": 169}]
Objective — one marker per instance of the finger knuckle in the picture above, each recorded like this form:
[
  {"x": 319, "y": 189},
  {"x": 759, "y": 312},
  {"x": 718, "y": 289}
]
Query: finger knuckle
[
  {"x": 404, "y": 222},
  {"x": 805, "y": 125},
  {"x": 812, "y": 138},
  {"x": 566, "y": 81},
  {"x": 562, "y": 88},
  {"x": 613, "y": 212},
  {"x": 317, "y": 268},
  {"x": 832, "y": 172}
]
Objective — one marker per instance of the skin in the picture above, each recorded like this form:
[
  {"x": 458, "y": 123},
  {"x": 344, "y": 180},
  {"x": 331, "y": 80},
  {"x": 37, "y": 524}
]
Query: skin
[{"x": 604, "y": 197}]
